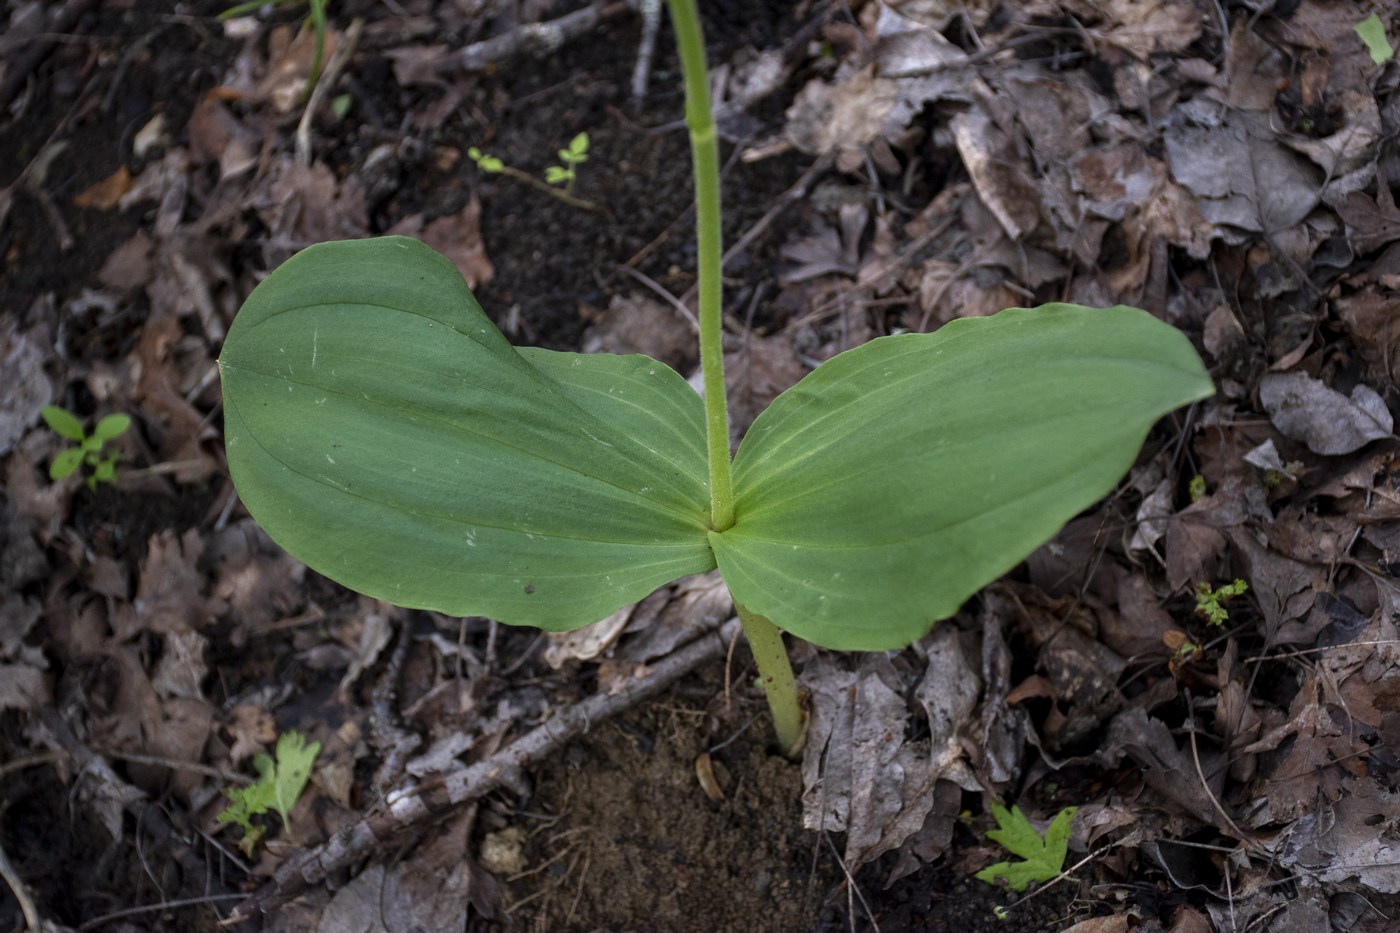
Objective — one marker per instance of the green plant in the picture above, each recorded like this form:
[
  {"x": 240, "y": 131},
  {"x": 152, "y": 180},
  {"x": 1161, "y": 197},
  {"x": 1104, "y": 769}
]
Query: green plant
[
  {"x": 316, "y": 15},
  {"x": 280, "y": 782},
  {"x": 89, "y": 451},
  {"x": 1043, "y": 858},
  {"x": 383, "y": 431},
  {"x": 564, "y": 174},
  {"x": 1208, "y": 601},
  {"x": 1372, "y": 32}
]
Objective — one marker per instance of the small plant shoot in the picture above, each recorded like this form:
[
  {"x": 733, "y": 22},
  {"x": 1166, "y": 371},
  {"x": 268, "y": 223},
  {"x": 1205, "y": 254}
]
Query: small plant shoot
[
  {"x": 1210, "y": 602},
  {"x": 280, "y": 782},
  {"x": 558, "y": 179},
  {"x": 1042, "y": 858},
  {"x": 101, "y": 467},
  {"x": 383, "y": 431}
]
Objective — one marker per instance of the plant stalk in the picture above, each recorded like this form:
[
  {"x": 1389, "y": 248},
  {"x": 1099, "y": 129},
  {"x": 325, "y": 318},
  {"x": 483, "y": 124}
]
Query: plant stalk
[
  {"x": 775, "y": 671},
  {"x": 704, "y": 147},
  {"x": 765, "y": 640}
]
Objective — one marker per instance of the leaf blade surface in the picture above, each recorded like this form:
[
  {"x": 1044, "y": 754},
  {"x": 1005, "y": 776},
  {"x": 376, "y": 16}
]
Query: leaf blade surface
[
  {"x": 900, "y": 477},
  {"x": 382, "y": 430}
]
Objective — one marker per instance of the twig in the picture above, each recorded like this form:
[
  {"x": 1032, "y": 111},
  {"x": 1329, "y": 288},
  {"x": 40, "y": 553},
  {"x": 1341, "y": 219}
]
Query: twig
[
  {"x": 416, "y": 806},
  {"x": 538, "y": 39},
  {"x": 641, "y": 73},
  {"x": 26, "y": 903},
  {"x": 664, "y": 295},
  {"x": 96, "y": 922}
]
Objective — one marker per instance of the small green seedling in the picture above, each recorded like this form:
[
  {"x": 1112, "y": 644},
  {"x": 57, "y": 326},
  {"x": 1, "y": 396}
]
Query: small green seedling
[
  {"x": 1208, "y": 601},
  {"x": 89, "y": 451},
  {"x": 1372, "y": 33},
  {"x": 280, "y": 783},
  {"x": 558, "y": 179},
  {"x": 382, "y": 430},
  {"x": 1043, "y": 858}
]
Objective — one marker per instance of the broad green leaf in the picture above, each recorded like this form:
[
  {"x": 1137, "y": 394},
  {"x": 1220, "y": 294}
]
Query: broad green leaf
[
  {"x": 382, "y": 430},
  {"x": 63, "y": 422},
  {"x": 897, "y": 479},
  {"x": 1043, "y": 859},
  {"x": 111, "y": 426},
  {"x": 65, "y": 463}
]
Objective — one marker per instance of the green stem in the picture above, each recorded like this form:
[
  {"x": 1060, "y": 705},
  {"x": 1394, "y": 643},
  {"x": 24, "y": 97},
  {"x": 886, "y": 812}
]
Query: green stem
[
  {"x": 553, "y": 192},
  {"x": 704, "y": 147},
  {"x": 765, "y": 640},
  {"x": 775, "y": 670}
]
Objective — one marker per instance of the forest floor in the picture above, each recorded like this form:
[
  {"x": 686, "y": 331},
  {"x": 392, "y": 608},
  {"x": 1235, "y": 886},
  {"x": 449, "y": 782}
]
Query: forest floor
[{"x": 1233, "y": 761}]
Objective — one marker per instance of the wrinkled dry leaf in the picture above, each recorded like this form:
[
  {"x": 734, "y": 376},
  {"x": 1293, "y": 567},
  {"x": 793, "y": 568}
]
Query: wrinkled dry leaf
[
  {"x": 22, "y": 687},
  {"x": 168, "y": 597},
  {"x": 586, "y": 643},
  {"x": 182, "y": 667},
  {"x": 1243, "y": 177},
  {"x": 24, "y": 386},
  {"x": 107, "y": 193},
  {"x": 1001, "y": 181},
  {"x": 1306, "y": 410},
  {"x": 634, "y": 323},
  {"x": 842, "y": 116},
  {"x": 376, "y": 629}
]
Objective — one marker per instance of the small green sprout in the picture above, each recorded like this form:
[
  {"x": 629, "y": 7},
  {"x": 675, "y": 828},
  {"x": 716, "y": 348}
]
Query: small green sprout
[
  {"x": 279, "y": 785},
  {"x": 1043, "y": 857},
  {"x": 576, "y": 154},
  {"x": 89, "y": 450},
  {"x": 1197, "y": 488},
  {"x": 558, "y": 179},
  {"x": 1372, "y": 32},
  {"x": 1208, "y": 601}
]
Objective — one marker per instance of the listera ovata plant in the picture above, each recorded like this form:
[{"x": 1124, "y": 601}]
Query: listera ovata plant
[{"x": 382, "y": 430}]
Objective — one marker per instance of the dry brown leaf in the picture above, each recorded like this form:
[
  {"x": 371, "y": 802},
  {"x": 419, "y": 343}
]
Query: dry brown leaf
[
  {"x": 168, "y": 596},
  {"x": 756, "y": 373},
  {"x": 1146, "y": 27},
  {"x": 129, "y": 266},
  {"x": 1305, "y": 409},
  {"x": 253, "y": 729},
  {"x": 289, "y": 65},
  {"x": 23, "y": 687},
  {"x": 216, "y": 135},
  {"x": 840, "y": 117},
  {"x": 107, "y": 193},
  {"x": 256, "y": 581},
  {"x": 182, "y": 668},
  {"x": 997, "y": 174},
  {"x": 1243, "y": 178},
  {"x": 304, "y": 204},
  {"x": 24, "y": 386},
  {"x": 1118, "y": 923},
  {"x": 640, "y": 324}
]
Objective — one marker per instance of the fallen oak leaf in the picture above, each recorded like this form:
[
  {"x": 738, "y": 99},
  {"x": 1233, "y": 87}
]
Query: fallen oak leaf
[
  {"x": 1043, "y": 857},
  {"x": 1328, "y": 422}
]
